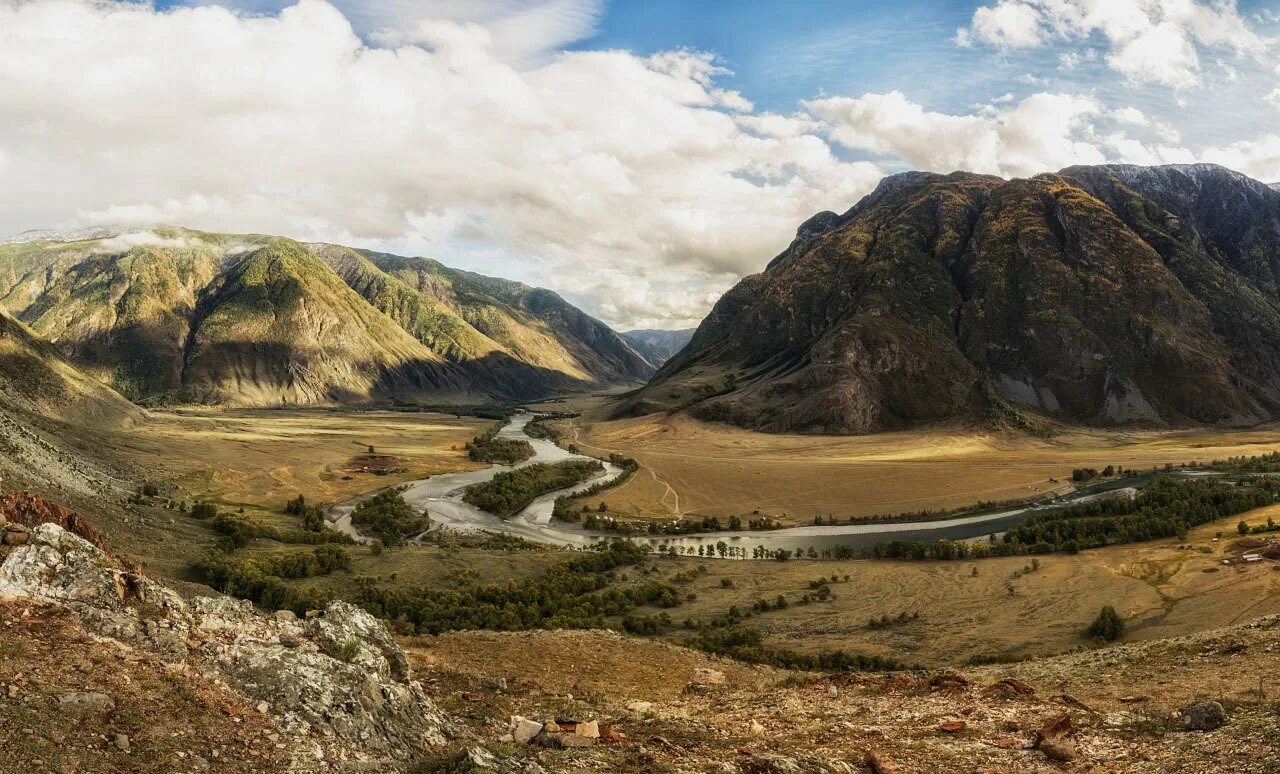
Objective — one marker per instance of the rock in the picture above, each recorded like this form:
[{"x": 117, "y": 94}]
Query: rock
[
  {"x": 705, "y": 676},
  {"x": 285, "y": 616},
  {"x": 121, "y": 741},
  {"x": 574, "y": 740},
  {"x": 263, "y": 708},
  {"x": 833, "y": 691},
  {"x": 523, "y": 730},
  {"x": 345, "y": 680},
  {"x": 949, "y": 680},
  {"x": 63, "y": 568},
  {"x": 84, "y": 704},
  {"x": 12, "y": 691},
  {"x": 755, "y": 727},
  {"x": 880, "y": 763},
  {"x": 1064, "y": 750},
  {"x": 640, "y": 708},
  {"x": 1204, "y": 716},
  {"x": 14, "y": 535},
  {"x": 590, "y": 729},
  {"x": 952, "y": 726},
  {"x": 1055, "y": 730},
  {"x": 1008, "y": 688},
  {"x": 551, "y": 727}
]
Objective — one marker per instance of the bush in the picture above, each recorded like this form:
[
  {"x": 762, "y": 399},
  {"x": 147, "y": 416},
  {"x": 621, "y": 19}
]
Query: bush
[
  {"x": 204, "y": 511},
  {"x": 389, "y": 517},
  {"x": 1108, "y": 626}
]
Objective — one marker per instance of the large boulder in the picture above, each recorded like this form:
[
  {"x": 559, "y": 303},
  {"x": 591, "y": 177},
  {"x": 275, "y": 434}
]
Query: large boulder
[
  {"x": 1204, "y": 716},
  {"x": 338, "y": 674},
  {"x": 60, "y": 567}
]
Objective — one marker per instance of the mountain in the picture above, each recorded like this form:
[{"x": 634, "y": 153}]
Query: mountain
[
  {"x": 171, "y": 315},
  {"x": 658, "y": 346},
  {"x": 1110, "y": 294},
  {"x": 46, "y": 407}
]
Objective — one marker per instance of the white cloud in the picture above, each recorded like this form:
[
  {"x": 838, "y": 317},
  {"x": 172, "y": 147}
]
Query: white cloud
[
  {"x": 593, "y": 172},
  {"x": 1273, "y": 98},
  {"x": 521, "y": 30},
  {"x": 1150, "y": 41},
  {"x": 1042, "y": 132},
  {"x": 1259, "y": 158}
]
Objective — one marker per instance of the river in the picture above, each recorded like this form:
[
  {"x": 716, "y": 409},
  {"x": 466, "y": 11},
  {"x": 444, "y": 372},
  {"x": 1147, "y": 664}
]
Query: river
[{"x": 441, "y": 498}]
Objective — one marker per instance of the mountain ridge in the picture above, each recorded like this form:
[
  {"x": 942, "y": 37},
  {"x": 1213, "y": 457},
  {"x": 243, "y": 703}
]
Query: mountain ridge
[
  {"x": 169, "y": 315},
  {"x": 1106, "y": 295},
  {"x": 658, "y": 346}
]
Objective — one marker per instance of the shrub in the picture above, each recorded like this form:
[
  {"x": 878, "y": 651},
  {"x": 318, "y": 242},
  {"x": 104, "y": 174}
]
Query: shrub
[{"x": 1108, "y": 626}]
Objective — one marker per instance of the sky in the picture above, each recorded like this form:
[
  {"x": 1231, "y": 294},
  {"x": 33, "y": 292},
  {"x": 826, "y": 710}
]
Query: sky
[{"x": 637, "y": 157}]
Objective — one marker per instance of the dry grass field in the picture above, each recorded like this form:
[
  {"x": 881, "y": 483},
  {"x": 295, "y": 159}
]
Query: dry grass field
[
  {"x": 263, "y": 458},
  {"x": 1162, "y": 589},
  {"x": 697, "y": 468}
]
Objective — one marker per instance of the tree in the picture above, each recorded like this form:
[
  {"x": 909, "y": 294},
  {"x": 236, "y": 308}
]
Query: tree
[
  {"x": 1108, "y": 626},
  {"x": 1243, "y": 527}
]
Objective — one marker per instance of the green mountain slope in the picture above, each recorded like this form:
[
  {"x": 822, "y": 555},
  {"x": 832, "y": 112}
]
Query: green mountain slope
[
  {"x": 1101, "y": 295},
  {"x": 177, "y": 316}
]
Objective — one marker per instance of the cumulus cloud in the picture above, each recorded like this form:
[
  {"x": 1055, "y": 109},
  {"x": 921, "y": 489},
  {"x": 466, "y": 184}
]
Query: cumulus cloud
[
  {"x": 1042, "y": 132},
  {"x": 1150, "y": 41},
  {"x": 584, "y": 170},
  {"x": 639, "y": 186}
]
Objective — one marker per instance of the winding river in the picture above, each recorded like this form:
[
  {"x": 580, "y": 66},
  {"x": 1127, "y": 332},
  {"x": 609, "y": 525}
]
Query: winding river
[{"x": 441, "y": 498}]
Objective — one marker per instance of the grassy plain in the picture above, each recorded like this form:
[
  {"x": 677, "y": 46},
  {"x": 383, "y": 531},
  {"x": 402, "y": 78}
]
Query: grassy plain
[
  {"x": 1162, "y": 589},
  {"x": 692, "y": 468},
  {"x": 263, "y": 458}
]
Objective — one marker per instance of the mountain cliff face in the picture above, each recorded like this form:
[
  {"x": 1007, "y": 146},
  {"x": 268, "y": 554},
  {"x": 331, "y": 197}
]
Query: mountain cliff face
[
  {"x": 177, "y": 316},
  {"x": 1111, "y": 294},
  {"x": 658, "y": 346}
]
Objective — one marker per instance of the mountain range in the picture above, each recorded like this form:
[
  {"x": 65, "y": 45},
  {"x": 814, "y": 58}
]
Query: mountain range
[
  {"x": 1105, "y": 295},
  {"x": 170, "y": 315},
  {"x": 658, "y": 346}
]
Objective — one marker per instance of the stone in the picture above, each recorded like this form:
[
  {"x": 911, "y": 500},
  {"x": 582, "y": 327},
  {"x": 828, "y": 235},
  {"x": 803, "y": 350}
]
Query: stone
[
  {"x": 1063, "y": 751},
  {"x": 551, "y": 727},
  {"x": 285, "y": 616},
  {"x": 121, "y": 741},
  {"x": 1008, "y": 688},
  {"x": 705, "y": 676},
  {"x": 640, "y": 708},
  {"x": 86, "y": 703},
  {"x": 880, "y": 763},
  {"x": 755, "y": 727},
  {"x": 952, "y": 726},
  {"x": 523, "y": 730},
  {"x": 1204, "y": 716},
  {"x": 574, "y": 740},
  {"x": 263, "y": 708},
  {"x": 832, "y": 691},
  {"x": 346, "y": 680},
  {"x": 590, "y": 729},
  {"x": 1055, "y": 730}
]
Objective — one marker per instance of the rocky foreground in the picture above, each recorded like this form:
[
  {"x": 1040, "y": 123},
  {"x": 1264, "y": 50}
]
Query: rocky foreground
[{"x": 102, "y": 669}]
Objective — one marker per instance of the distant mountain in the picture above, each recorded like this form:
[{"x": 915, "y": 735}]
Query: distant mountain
[
  {"x": 1111, "y": 294},
  {"x": 176, "y": 316},
  {"x": 658, "y": 346}
]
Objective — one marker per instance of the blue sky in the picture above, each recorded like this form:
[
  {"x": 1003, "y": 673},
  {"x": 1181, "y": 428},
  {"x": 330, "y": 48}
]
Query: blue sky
[{"x": 638, "y": 157}]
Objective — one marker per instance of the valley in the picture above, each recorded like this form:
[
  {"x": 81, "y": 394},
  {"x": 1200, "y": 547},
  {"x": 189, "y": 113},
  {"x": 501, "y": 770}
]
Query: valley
[{"x": 967, "y": 610}]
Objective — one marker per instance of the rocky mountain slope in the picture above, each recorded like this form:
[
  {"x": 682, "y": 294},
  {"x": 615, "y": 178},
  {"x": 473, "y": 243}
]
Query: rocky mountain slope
[
  {"x": 176, "y": 316},
  {"x": 331, "y": 691},
  {"x": 45, "y": 407},
  {"x": 1112, "y": 294},
  {"x": 658, "y": 346}
]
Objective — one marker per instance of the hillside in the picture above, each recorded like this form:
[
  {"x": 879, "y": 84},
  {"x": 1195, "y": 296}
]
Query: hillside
[
  {"x": 45, "y": 408},
  {"x": 1107, "y": 295},
  {"x": 175, "y": 316},
  {"x": 658, "y": 346}
]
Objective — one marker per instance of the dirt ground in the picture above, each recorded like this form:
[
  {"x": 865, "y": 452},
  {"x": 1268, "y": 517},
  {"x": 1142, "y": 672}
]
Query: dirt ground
[{"x": 689, "y": 467}]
